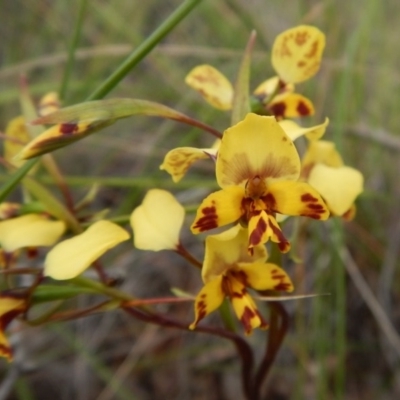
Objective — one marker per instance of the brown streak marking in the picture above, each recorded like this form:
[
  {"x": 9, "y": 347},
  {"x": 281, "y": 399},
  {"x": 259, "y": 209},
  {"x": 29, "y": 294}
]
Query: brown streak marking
[
  {"x": 308, "y": 197},
  {"x": 209, "y": 221},
  {"x": 248, "y": 315},
  {"x": 257, "y": 233},
  {"x": 313, "y": 50}
]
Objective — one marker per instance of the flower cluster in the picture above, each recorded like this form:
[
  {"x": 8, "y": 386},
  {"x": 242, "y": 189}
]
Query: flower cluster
[{"x": 261, "y": 175}]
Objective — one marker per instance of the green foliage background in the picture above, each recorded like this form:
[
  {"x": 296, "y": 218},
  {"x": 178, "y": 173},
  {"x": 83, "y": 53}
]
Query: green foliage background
[{"x": 337, "y": 348}]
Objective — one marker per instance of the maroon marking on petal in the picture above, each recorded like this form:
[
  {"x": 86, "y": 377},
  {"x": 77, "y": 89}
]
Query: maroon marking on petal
[
  {"x": 209, "y": 221},
  {"x": 5, "y": 351},
  {"x": 32, "y": 252},
  {"x": 283, "y": 244},
  {"x": 68, "y": 128},
  {"x": 308, "y": 197},
  {"x": 248, "y": 315},
  {"x": 201, "y": 310},
  {"x": 303, "y": 109},
  {"x": 314, "y": 216},
  {"x": 240, "y": 276},
  {"x": 278, "y": 109},
  {"x": 269, "y": 201},
  {"x": 316, "y": 207},
  {"x": 301, "y": 64},
  {"x": 282, "y": 285},
  {"x": 256, "y": 234}
]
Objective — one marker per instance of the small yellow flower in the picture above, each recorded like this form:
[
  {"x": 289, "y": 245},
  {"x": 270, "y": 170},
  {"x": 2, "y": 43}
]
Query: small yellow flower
[
  {"x": 258, "y": 169},
  {"x": 10, "y": 307},
  {"x": 71, "y": 257},
  {"x": 338, "y": 184},
  {"x": 296, "y": 57},
  {"x": 30, "y": 230},
  {"x": 228, "y": 271},
  {"x": 156, "y": 223},
  {"x": 179, "y": 160}
]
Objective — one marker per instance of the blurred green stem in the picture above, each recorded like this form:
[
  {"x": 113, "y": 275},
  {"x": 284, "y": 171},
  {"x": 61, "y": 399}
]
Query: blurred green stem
[
  {"x": 140, "y": 52},
  {"x": 72, "y": 48}
]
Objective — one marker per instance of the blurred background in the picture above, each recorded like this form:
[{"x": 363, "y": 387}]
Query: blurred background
[{"x": 341, "y": 346}]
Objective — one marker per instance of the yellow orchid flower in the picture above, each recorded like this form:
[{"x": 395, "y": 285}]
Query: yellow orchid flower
[
  {"x": 228, "y": 271},
  {"x": 178, "y": 161},
  {"x": 338, "y": 184},
  {"x": 296, "y": 57},
  {"x": 157, "y": 222},
  {"x": 30, "y": 230},
  {"x": 71, "y": 257},
  {"x": 258, "y": 169},
  {"x": 10, "y": 307}
]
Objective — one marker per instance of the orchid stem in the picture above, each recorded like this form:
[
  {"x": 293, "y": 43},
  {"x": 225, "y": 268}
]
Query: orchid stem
[{"x": 187, "y": 256}]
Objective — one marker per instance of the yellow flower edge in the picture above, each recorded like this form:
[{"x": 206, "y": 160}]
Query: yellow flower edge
[{"x": 73, "y": 256}]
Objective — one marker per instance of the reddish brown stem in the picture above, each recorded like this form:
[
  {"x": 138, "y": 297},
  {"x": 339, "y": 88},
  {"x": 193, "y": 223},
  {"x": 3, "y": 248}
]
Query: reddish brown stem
[
  {"x": 276, "y": 334},
  {"x": 241, "y": 345},
  {"x": 187, "y": 256}
]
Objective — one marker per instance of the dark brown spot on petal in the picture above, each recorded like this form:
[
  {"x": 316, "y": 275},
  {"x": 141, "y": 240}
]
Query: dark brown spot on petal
[
  {"x": 68, "y": 128},
  {"x": 208, "y": 221},
  {"x": 248, "y": 315},
  {"x": 301, "y": 64},
  {"x": 278, "y": 109},
  {"x": 303, "y": 109},
  {"x": 32, "y": 252}
]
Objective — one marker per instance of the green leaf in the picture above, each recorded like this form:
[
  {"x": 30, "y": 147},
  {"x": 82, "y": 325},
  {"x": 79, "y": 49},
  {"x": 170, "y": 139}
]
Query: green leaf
[
  {"x": 53, "y": 206},
  {"x": 46, "y": 293},
  {"x": 241, "y": 98}
]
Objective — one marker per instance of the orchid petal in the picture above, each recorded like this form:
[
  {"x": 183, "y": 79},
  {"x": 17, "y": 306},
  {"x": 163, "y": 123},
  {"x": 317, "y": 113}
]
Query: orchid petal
[
  {"x": 294, "y": 130},
  {"x": 256, "y": 146},
  {"x": 338, "y": 186},
  {"x": 218, "y": 209},
  {"x": 212, "y": 85},
  {"x": 265, "y": 276},
  {"x": 179, "y": 160},
  {"x": 297, "y": 52},
  {"x": 30, "y": 230},
  {"x": 245, "y": 308},
  {"x": 291, "y": 105},
  {"x": 71, "y": 257},
  {"x": 227, "y": 249},
  {"x": 297, "y": 198},
  {"x": 209, "y": 299},
  {"x": 157, "y": 221}
]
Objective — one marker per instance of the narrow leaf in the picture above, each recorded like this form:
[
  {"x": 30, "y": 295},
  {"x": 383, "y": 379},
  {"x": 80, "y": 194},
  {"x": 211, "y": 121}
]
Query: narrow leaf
[
  {"x": 241, "y": 98},
  {"x": 53, "y": 206}
]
